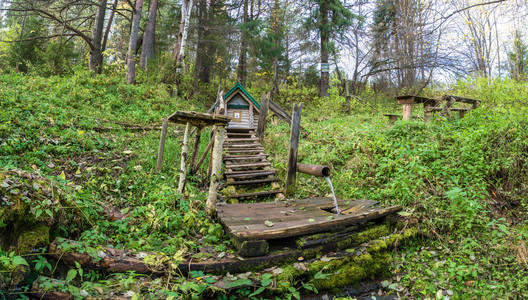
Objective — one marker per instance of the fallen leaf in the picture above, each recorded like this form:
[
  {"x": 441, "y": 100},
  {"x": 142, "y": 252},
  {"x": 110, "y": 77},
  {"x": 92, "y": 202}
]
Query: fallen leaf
[
  {"x": 268, "y": 223},
  {"x": 62, "y": 176},
  {"x": 311, "y": 220},
  {"x": 127, "y": 152},
  {"x": 247, "y": 219}
]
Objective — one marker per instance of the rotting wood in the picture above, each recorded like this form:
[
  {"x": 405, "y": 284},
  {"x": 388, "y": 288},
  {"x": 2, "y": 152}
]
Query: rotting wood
[
  {"x": 196, "y": 147},
  {"x": 216, "y": 170},
  {"x": 161, "y": 148},
  {"x": 245, "y": 157},
  {"x": 256, "y": 181},
  {"x": 204, "y": 154},
  {"x": 296, "y": 217},
  {"x": 247, "y": 175},
  {"x": 256, "y": 194},
  {"x": 183, "y": 163},
  {"x": 261, "y": 126},
  {"x": 40, "y": 290},
  {"x": 291, "y": 171},
  {"x": 248, "y": 165}
]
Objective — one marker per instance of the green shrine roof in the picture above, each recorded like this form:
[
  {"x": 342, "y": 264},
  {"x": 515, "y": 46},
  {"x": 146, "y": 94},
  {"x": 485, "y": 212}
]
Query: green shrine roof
[{"x": 239, "y": 86}]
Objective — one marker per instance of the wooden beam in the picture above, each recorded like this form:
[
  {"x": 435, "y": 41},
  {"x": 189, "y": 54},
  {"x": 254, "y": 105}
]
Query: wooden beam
[
  {"x": 196, "y": 147},
  {"x": 291, "y": 171},
  {"x": 261, "y": 127},
  {"x": 184, "y": 154},
  {"x": 162, "y": 144},
  {"x": 407, "y": 111},
  {"x": 216, "y": 172},
  {"x": 204, "y": 154}
]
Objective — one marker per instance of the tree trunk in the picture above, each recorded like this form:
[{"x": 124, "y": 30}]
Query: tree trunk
[
  {"x": 96, "y": 52},
  {"x": 242, "y": 59},
  {"x": 203, "y": 48},
  {"x": 108, "y": 26},
  {"x": 179, "y": 46},
  {"x": 131, "y": 56},
  {"x": 147, "y": 51},
  {"x": 275, "y": 89},
  {"x": 325, "y": 40}
]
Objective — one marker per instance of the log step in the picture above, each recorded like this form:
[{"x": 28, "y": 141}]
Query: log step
[
  {"x": 256, "y": 181},
  {"x": 245, "y": 157},
  {"x": 248, "y": 165},
  {"x": 235, "y": 140},
  {"x": 257, "y": 194},
  {"x": 238, "y": 146},
  {"x": 249, "y": 174},
  {"x": 239, "y": 134},
  {"x": 256, "y": 150}
]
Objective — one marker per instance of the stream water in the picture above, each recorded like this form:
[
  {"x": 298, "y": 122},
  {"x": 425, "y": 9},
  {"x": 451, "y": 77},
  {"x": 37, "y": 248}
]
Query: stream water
[{"x": 335, "y": 200}]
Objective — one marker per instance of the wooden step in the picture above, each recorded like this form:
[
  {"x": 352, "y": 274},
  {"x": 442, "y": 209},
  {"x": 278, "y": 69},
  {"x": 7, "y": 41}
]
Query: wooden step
[
  {"x": 249, "y": 174},
  {"x": 239, "y": 134},
  {"x": 257, "y": 194},
  {"x": 238, "y": 146},
  {"x": 248, "y": 165},
  {"x": 256, "y": 150},
  {"x": 245, "y": 157},
  {"x": 238, "y": 140},
  {"x": 231, "y": 129},
  {"x": 256, "y": 181}
]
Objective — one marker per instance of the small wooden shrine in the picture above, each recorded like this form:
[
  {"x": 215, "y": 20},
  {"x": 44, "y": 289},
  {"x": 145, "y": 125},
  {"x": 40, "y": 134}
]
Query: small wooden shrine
[{"x": 241, "y": 107}]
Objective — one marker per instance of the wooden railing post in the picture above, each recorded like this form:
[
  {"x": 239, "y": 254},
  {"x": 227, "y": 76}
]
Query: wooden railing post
[
  {"x": 291, "y": 172},
  {"x": 210, "y": 205},
  {"x": 162, "y": 144},
  {"x": 261, "y": 127},
  {"x": 184, "y": 154}
]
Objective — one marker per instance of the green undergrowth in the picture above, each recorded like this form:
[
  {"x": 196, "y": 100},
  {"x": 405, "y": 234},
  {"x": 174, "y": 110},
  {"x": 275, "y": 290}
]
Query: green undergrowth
[{"x": 78, "y": 155}]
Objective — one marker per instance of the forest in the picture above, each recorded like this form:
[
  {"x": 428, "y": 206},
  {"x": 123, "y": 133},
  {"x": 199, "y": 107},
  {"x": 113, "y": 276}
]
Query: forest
[{"x": 86, "y": 211}]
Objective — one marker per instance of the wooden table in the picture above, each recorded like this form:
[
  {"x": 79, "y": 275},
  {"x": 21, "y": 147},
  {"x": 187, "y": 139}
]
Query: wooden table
[
  {"x": 433, "y": 105},
  {"x": 408, "y": 100}
]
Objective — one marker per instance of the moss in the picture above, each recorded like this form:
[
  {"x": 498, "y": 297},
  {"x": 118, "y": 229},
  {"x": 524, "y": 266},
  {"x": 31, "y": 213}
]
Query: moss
[
  {"x": 253, "y": 248},
  {"x": 34, "y": 236},
  {"x": 365, "y": 236}
]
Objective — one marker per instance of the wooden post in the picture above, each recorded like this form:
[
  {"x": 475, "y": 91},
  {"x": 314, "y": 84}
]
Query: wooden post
[
  {"x": 196, "y": 147},
  {"x": 210, "y": 205},
  {"x": 184, "y": 153},
  {"x": 162, "y": 144},
  {"x": 291, "y": 171},
  {"x": 428, "y": 114},
  {"x": 261, "y": 127},
  {"x": 407, "y": 111}
]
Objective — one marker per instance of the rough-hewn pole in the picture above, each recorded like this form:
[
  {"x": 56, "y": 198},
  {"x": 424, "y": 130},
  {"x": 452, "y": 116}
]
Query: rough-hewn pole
[
  {"x": 210, "y": 205},
  {"x": 184, "y": 154},
  {"x": 196, "y": 147},
  {"x": 162, "y": 144},
  {"x": 261, "y": 127},
  {"x": 291, "y": 171}
]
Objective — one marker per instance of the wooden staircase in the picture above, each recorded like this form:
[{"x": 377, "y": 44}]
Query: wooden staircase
[{"x": 248, "y": 172}]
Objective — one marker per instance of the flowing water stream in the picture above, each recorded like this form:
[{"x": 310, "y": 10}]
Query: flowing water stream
[{"x": 332, "y": 188}]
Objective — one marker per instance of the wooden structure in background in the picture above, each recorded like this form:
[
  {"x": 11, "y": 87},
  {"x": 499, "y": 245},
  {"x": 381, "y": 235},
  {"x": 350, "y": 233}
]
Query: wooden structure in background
[
  {"x": 253, "y": 227},
  {"x": 243, "y": 109},
  {"x": 433, "y": 105}
]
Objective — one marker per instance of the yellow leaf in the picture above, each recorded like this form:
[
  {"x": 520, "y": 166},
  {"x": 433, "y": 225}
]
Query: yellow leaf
[
  {"x": 80, "y": 132},
  {"x": 62, "y": 175},
  {"x": 78, "y": 172}
]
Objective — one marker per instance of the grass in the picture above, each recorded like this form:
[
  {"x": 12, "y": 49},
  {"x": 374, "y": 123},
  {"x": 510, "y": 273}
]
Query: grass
[{"x": 461, "y": 182}]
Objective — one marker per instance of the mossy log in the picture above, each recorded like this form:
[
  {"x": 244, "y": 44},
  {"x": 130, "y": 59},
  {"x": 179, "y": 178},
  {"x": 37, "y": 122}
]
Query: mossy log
[
  {"x": 118, "y": 260},
  {"x": 46, "y": 288}
]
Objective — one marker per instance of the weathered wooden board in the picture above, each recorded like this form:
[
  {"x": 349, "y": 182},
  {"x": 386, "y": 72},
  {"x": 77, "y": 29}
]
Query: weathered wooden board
[
  {"x": 198, "y": 119},
  {"x": 295, "y": 218}
]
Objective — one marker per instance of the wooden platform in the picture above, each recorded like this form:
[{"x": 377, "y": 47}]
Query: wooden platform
[{"x": 267, "y": 221}]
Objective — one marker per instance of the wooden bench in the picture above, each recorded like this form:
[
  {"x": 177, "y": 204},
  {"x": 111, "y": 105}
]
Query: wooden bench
[{"x": 392, "y": 118}]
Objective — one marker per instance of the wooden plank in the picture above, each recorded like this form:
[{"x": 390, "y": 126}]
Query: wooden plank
[
  {"x": 248, "y": 172},
  {"x": 161, "y": 148},
  {"x": 233, "y": 140},
  {"x": 248, "y": 165},
  {"x": 292, "y": 218},
  {"x": 261, "y": 126},
  {"x": 256, "y": 181},
  {"x": 251, "y": 175},
  {"x": 246, "y": 156},
  {"x": 198, "y": 119},
  {"x": 319, "y": 224},
  {"x": 256, "y": 194},
  {"x": 239, "y": 134},
  {"x": 291, "y": 171},
  {"x": 256, "y": 150},
  {"x": 248, "y": 146}
]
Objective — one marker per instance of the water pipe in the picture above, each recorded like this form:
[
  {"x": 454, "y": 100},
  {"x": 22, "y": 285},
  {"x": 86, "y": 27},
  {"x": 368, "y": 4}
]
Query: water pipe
[{"x": 315, "y": 170}]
